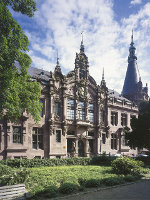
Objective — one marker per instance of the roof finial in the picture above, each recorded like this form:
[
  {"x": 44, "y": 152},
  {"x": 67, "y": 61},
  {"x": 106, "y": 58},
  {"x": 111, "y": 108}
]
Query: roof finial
[
  {"x": 132, "y": 37},
  {"x": 103, "y": 75},
  {"x": 57, "y": 68},
  {"x": 57, "y": 59},
  {"x": 82, "y": 46},
  {"x": 82, "y": 36}
]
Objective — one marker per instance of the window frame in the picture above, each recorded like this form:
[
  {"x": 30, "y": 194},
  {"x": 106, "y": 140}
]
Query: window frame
[
  {"x": 38, "y": 134},
  {"x": 19, "y": 138}
]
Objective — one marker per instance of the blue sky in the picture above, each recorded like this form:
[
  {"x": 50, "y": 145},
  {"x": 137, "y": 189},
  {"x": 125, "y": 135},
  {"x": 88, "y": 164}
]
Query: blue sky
[{"x": 107, "y": 26}]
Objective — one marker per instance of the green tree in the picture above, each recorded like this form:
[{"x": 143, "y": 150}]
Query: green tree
[
  {"x": 17, "y": 92},
  {"x": 140, "y": 134}
]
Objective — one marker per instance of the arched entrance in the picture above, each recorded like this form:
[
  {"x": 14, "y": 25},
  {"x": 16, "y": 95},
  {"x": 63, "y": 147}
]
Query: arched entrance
[{"x": 80, "y": 148}]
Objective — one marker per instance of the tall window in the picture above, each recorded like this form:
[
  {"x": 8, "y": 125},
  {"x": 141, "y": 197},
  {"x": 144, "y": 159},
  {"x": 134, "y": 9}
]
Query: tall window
[
  {"x": 123, "y": 119},
  {"x": 37, "y": 138},
  {"x": 124, "y": 141},
  {"x": 102, "y": 116},
  {"x": 91, "y": 112},
  {"x": 113, "y": 141},
  {"x": 131, "y": 117},
  {"x": 17, "y": 135},
  {"x": 42, "y": 109},
  {"x": 91, "y": 146},
  {"x": 104, "y": 138},
  {"x": 70, "y": 109},
  {"x": 58, "y": 135},
  {"x": 114, "y": 118},
  {"x": 81, "y": 110},
  {"x": 57, "y": 108}
]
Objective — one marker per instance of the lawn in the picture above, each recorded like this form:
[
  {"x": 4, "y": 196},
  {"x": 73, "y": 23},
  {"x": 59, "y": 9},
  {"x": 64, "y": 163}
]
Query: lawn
[{"x": 67, "y": 179}]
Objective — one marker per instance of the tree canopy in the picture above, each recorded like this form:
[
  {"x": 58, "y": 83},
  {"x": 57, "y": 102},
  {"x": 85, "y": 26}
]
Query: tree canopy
[
  {"x": 17, "y": 92},
  {"x": 140, "y": 134}
]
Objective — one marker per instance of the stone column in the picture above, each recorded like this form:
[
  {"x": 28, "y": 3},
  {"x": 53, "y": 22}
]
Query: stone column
[
  {"x": 76, "y": 152},
  {"x": 86, "y": 110},
  {"x": 87, "y": 148}
]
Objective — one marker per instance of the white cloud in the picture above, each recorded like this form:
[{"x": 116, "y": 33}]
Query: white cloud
[
  {"x": 106, "y": 41},
  {"x": 133, "y": 2}
]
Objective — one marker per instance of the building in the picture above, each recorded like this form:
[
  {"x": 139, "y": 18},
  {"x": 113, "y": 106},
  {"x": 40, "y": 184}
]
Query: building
[{"x": 79, "y": 117}]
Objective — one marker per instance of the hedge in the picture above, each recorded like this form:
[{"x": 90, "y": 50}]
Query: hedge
[{"x": 29, "y": 163}]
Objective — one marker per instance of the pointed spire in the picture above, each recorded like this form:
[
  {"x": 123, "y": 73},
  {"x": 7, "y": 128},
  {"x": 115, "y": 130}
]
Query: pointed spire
[
  {"x": 82, "y": 46},
  {"x": 132, "y": 37},
  {"x": 103, "y": 75},
  {"x": 57, "y": 68},
  {"x": 57, "y": 59},
  {"x": 103, "y": 83},
  {"x": 132, "y": 74}
]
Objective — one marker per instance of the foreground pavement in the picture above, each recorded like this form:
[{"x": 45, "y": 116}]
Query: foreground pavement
[{"x": 139, "y": 190}]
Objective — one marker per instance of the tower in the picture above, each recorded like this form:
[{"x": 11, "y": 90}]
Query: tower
[{"x": 133, "y": 88}]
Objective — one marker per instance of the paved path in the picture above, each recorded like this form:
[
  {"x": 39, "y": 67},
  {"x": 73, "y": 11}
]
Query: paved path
[{"x": 139, "y": 191}]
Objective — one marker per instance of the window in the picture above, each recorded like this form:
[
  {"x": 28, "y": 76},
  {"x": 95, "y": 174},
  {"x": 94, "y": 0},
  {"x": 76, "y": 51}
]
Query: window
[
  {"x": 91, "y": 112},
  {"x": 123, "y": 119},
  {"x": 58, "y": 135},
  {"x": 71, "y": 133},
  {"x": 102, "y": 116},
  {"x": 17, "y": 135},
  {"x": 91, "y": 146},
  {"x": 58, "y": 157},
  {"x": 104, "y": 138},
  {"x": 70, "y": 109},
  {"x": 114, "y": 118},
  {"x": 132, "y": 117},
  {"x": 90, "y": 133},
  {"x": 42, "y": 109},
  {"x": 57, "y": 108},
  {"x": 81, "y": 110},
  {"x": 37, "y": 138},
  {"x": 124, "y": 141},
  {"x": 113, "y": 141}
]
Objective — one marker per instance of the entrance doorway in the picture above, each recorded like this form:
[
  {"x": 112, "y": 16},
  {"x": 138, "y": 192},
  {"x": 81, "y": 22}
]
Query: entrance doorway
[{"x": 80, "y": 148}]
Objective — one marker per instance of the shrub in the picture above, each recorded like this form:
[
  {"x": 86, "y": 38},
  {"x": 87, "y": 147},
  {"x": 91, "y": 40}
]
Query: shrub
[
  {"x": 28, "y": 163},
  {"x": 130, "y": 178},
  {"x": 125, "y": 165},
  {"x": 19, "y": 176},
  {"x": 110, "y": 181},
  {"x": 67, "y": 188},
  {"x": 4, "y": 169},
  {"x": 13, "y": 176},
  {"x": 48, "y": 192},
  {"x": 102, "y": 160},
  {"x": 93, "y": 183}
]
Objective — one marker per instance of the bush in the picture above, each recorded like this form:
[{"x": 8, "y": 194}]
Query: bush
[
  {"x": 5, "y": 170},
  {"x": 67, "y": 188},
  {"x": 113, "y": 181},
  {"x": 48, "y": 192},
  {"x": 28, "y": 163},
  {"x": 125, "y": 165},
  {"x": 93, "y": 183},
  {"x": 13, "y": 176},
  {"x": 102, "y": 160},
  {"x": 130, "y": 178}
]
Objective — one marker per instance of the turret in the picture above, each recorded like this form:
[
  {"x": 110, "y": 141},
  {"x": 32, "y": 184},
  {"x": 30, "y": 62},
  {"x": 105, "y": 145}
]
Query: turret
[
  {"x": 81, "y": 63},
  {"x": 132, "y": 74},
  {"x": 133, "y": 87}
]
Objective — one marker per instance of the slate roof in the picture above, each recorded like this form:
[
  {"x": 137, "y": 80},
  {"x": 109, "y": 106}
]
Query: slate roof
[
  {"x": 116, "y": 95},
  {"x": 39, "y": 73}
]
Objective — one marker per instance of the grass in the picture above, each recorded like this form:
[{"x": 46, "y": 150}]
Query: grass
[{"x": 49, "y": 181}]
